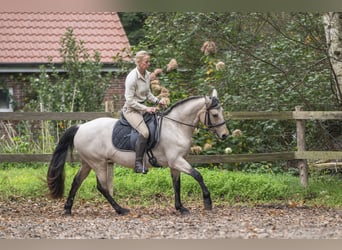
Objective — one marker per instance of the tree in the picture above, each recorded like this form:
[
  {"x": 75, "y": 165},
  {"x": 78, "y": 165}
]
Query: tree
[
  {"x": 273, "y": 61},
  {"x": 82, "y": 86},
  {"x": 133, "y": 23},
  {"x": 265, "y": 53},
  {"x": 333, "y": 33}
]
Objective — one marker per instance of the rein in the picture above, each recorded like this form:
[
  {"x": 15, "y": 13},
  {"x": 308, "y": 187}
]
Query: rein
[
  {"x": 183, "y": 123},
  {"x": 207, "y": 122}
]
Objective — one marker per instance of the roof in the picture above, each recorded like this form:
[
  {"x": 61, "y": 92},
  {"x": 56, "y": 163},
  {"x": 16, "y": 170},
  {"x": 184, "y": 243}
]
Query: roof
[{"x": 33, "y": 37}]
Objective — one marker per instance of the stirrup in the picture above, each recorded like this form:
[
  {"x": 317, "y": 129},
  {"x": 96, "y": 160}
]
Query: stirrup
[{"x": 153, "y": 161}]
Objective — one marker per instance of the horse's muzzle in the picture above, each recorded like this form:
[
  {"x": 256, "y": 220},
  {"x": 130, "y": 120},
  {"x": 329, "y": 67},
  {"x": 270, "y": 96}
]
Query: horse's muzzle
[{"x": 223, "y": 137}]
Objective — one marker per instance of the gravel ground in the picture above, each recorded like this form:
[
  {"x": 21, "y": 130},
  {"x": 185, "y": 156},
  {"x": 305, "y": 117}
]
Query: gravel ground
[{"x": 44, "y": 219}]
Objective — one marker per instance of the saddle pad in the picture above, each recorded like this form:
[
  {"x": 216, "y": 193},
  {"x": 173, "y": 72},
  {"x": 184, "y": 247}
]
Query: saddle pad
[
  {"x": 124, "y": 136},
  {"x": 121, "y": 137}
]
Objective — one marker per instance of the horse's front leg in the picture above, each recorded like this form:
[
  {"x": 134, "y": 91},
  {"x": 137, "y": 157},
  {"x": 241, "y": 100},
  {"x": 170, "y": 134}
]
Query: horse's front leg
[
  {"x": 206, "y": 194},
  {"x": 182, "y": 165},
  {"x": 175, "y": 175}
]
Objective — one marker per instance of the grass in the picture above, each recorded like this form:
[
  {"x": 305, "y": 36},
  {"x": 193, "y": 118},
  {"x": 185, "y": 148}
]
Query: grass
[{"x": 155, "y": 188}]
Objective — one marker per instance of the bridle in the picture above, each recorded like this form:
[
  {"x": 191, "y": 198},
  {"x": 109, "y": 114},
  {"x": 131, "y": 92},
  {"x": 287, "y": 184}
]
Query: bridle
[
  {"x": 207, "y": 121},
  {"x": 214, "y": 105}
]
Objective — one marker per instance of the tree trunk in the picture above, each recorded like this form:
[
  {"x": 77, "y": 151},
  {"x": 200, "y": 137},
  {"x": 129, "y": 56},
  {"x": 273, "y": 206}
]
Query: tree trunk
[{"x": 332, "y": 22}]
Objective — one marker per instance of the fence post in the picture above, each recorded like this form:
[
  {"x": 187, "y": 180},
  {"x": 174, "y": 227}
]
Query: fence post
[{"x": 302, "y": 163}]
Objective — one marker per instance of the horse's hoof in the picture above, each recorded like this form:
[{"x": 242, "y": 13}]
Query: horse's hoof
[
  {"x": 208, "y": 204},
  {"x": 208, "y": 207},
  {"x": 67, "y": 213},
  {"x": 184, "y": 211},
  {"x": 123, "y": 211}
]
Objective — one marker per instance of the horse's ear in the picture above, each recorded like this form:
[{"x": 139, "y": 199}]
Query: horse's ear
[{"x": 214, "y": 94}]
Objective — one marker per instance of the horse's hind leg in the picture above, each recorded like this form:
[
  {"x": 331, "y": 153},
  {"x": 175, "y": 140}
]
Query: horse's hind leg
[
  {"x": 83, "y": 172},
  {"x": 110, "y": 177},
  {"x": 102, "y": 187},
  {"x": 175, "y": 175}
]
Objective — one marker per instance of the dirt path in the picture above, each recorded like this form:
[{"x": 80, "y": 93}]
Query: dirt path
[{"x": 44, "y": 219}]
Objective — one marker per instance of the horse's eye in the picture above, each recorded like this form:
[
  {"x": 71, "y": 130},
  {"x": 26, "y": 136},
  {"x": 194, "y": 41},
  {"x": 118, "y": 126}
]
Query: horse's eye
[{"x": 215, "y": 115}]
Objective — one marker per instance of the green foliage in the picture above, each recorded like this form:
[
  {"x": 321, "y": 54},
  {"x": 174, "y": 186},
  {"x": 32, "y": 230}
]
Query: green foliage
[
  {"x": 156, "y": 188},
  {"x": 273, "y": 62},
  {"x": 79, "y": 85},
  {"x": 133, "y": 23},
  {"x": 25, "y": 138},
  {"x": 80, "y": 88},
  {"x": 22, "y": 181}
]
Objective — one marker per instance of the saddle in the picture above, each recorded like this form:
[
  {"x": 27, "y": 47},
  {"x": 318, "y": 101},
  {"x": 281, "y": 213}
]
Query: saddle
[{"x": 124, "y": 136}]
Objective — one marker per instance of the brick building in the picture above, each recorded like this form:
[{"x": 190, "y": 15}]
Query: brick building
[{"x": 30, "y": 39}]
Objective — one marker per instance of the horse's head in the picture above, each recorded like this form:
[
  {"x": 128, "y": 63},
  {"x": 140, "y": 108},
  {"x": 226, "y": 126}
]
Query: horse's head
[{"x": 213, "y": 117}]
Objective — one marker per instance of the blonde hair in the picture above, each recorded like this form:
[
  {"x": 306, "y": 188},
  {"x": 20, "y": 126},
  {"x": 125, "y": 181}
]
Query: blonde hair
[{"x": 140, "y": 55}]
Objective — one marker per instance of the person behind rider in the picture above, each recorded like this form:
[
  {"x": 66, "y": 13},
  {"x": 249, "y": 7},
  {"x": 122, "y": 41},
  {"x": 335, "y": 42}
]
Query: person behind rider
[{"x": 137, "y": 93}]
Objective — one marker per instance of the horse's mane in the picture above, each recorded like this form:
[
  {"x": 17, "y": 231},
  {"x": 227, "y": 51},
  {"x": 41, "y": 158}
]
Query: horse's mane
[{"x": 180, "y": 102}]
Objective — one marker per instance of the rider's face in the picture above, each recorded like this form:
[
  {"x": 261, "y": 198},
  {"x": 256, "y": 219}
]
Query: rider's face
[{"x": 144, "y": 63}]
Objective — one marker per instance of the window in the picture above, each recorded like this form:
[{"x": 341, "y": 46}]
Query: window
[{"x": 6, "y": 100}]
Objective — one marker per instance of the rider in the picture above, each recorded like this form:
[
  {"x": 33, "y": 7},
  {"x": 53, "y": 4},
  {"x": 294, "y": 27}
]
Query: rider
[{"x": 137, "y": 92}]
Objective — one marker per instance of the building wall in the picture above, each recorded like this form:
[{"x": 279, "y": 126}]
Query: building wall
[
  {"x": 113, "y": 100},
  {"x": 115, "y": 95}
]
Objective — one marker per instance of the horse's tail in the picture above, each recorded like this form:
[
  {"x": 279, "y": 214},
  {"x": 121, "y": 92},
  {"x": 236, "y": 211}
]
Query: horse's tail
[{"x": 55, "y": 175}]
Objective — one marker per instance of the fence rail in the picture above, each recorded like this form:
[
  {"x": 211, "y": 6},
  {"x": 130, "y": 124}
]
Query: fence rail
[
  {"x": 298, "y": 116},
  {"x": 26, "y": 158},
  {"x": 231, "y": 158},
  {"x": 57, "y": 116},
  {"x": 245, "y": 115}
]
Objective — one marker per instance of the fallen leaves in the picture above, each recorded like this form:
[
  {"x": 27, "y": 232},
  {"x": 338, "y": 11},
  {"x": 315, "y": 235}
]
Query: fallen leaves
[
  {"x": 43, "y": 218},
  {"x": 293, "y": 204}
]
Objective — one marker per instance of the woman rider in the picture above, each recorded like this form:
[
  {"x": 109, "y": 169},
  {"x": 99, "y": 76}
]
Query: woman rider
[{"x": 137, "y": 92}]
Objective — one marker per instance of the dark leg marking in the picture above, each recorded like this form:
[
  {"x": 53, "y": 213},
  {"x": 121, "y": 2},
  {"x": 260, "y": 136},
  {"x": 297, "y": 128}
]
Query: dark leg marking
[
  {"x": 206, "y": 194},
  {"x": 116, "y": 206},
  {"x": 78, "y": 179},
  {"x": 176, "y": 186}
]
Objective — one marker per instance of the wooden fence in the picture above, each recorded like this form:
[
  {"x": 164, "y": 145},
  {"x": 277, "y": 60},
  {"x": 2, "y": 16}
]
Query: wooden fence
[{"x": 298, "y": 116}]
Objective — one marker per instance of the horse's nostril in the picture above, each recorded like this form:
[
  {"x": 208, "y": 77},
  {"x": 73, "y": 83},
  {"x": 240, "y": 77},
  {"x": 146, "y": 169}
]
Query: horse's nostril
[{"x": 224, "y": 136}]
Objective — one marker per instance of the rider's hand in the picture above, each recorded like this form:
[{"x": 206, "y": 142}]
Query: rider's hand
[
  {"x": 151, "y": 109},
  {"x": 162, "y": 102}
]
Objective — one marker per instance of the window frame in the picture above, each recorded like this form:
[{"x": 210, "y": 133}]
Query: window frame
[{"x": 10, "y": 104}]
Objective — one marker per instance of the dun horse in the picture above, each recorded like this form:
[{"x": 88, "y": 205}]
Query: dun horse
[{"x": 93, "y": 142}]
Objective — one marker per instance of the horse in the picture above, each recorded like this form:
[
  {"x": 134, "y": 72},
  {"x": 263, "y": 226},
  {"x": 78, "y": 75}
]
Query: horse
[{"x": 93, "y": 142}]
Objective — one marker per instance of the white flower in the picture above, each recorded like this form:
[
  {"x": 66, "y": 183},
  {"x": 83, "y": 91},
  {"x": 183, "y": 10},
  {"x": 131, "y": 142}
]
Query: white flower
[
  {"x": 196, "y": 149},
  {"x": 209, "y": 48},
  {"x": 172, "y": 65},
  {"x": 207, "y": 146},
  {"x": 220, "y": 66},
  {"x": 237, "y": 133},
  {"x": 228, "y": 150}
]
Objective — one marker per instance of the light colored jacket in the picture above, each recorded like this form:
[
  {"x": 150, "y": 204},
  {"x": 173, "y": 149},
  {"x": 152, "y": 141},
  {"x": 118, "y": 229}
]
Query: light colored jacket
[{"x": 137, "y": 90}]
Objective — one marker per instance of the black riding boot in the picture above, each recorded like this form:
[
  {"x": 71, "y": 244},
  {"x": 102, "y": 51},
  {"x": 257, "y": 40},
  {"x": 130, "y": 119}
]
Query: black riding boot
[{"x": 140, "y": 147}]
